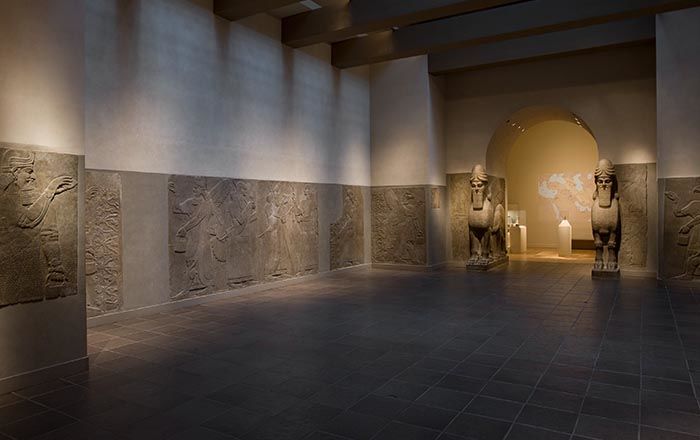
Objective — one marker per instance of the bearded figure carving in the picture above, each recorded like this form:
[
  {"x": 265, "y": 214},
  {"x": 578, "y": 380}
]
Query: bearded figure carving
[
  {"x": 605, "y": 218},
  {"x": 486, "y": 224}
]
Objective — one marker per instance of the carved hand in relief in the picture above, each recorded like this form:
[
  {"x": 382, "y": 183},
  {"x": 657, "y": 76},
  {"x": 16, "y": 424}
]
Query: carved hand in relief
[{"x": 62, "y": 184}]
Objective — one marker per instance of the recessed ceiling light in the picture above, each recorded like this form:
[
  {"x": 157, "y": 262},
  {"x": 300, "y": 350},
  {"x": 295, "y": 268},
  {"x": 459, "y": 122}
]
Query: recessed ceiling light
[{"x": 310, "y": 4}]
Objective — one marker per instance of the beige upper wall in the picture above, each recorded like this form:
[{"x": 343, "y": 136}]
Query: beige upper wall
[
  {"x": 41, "y": 74},
  {"x": 678, "y": 85},
  {"x": 407, "y": 124},
  {"x": 173, "y": 89},
  {"x": 613, "y": 91},
  {"x": 546, "y": 166}
]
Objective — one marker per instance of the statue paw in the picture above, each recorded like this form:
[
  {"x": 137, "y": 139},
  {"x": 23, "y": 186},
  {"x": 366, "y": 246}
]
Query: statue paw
[{"x": 612, "y": 266}]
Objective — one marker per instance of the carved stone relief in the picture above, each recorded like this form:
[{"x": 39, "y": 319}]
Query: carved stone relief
[
  {"x": 435, "y": 198},
  {"x": 632, "y": 180},
  {"x": 348, "y": 233},
  {"x": 681, "y": 239},
  {"x": 103, "y": 242},
  {"x": 228, "y": 233},
  {"x": 459, "y": 192},
  {"x": 38, "y": 225},
  {"x": 398, "y": 225}
]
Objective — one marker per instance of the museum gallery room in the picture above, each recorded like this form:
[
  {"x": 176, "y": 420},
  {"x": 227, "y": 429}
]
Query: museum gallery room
[{"x": 350, "y": 219}]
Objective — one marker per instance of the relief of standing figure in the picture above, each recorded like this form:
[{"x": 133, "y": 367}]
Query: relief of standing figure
[
  {"x": 689, "y": 233},
  {"x": 25, "y": 207}
]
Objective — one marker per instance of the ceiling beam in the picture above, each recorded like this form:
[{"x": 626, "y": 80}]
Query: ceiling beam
[
  {"x": 627, "y": 32},
  {"x": 365, "y": 16},
  {"x": 515, "y": 21},
  {"x": 238, "y": 9}
]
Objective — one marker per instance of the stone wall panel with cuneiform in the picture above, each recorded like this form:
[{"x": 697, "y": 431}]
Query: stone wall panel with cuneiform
[
  {"x": 632, "y": 188},
  {"x": 38, "y": 225},
  {"x": 399, "y": 225},
  {"x": 228, "y": 233},
  {"x": 347, "y": 234},
  {"x": 103, "y": 242}
]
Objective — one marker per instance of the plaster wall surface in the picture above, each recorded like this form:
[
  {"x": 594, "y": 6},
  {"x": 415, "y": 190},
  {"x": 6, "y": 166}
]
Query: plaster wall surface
[
  {"x": 41, "y": 109},
  {"x": 173, "y": 89},
  {"x": 399, "y": 97},
  {"x": 613, "y": 91},
  {"x": 678, "y": 87},
  {"x": 407, "y": 111},
  {"x": 41, "y": 74}
]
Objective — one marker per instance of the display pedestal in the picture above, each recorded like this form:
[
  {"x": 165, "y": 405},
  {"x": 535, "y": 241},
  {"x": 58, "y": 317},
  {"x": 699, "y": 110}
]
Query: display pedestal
[
  {"x": 483, "y": 266},
  {"x": 565, "y": 238},
  {"x": 518, "y": 239}
]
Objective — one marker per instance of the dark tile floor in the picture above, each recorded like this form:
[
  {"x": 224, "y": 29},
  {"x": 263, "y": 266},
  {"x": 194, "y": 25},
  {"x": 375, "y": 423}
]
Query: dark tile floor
[{"x": 537, "y": 351}]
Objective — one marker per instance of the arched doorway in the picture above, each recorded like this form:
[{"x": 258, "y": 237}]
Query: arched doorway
[{"x": 547, "y": 155}]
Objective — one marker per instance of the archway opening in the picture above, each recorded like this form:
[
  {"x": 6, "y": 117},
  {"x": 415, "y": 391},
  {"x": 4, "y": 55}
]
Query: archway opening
[{"x": 547, "y": 156}]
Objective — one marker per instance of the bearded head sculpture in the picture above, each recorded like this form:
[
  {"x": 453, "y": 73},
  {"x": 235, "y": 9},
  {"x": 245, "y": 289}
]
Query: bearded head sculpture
[
  {"x": 479, "y": 187},
  {"x": 605, "y": 183}
]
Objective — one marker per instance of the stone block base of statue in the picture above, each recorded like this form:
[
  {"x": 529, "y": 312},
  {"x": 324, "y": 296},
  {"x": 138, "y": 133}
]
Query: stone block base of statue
[
  {"x": 606, "y": 273},
  {"x": 482, "y": 265}
]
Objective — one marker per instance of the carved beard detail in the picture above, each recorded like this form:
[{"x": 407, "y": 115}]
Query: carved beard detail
[
  {"x": 477, "y": 200},
  {"x": 604, "y": 196}
]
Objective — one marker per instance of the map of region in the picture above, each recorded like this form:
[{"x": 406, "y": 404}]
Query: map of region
[{"x": 568, "y": 195}]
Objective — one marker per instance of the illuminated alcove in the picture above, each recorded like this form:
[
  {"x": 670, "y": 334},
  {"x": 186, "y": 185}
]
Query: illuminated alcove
[{"x": 547, "y": 155}]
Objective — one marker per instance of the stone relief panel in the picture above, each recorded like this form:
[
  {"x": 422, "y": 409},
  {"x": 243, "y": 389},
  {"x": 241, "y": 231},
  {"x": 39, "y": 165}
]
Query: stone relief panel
[
  {"x": 681, "y": 229},
  {"x": 632, "y": 181},
  {"x": 228, "y": 233},
  {"x": 435, "y": 198},
  {"x": 38, "y": 225},
  {"x": 459, "y": 195},
  {"x": 458, "y": 188},
  {"x": 398, "y": 225},
  {"x": 103, "y": 242},
  {"x": 348, "y": 233},
  {"x": 289, "y": 229}
]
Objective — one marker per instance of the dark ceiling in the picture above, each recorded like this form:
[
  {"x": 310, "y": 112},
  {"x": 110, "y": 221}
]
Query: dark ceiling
[{"x": 457, "y": 34}]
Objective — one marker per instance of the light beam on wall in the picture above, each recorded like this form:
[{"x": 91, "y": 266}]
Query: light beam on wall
[{"x": 310, "y": 4}]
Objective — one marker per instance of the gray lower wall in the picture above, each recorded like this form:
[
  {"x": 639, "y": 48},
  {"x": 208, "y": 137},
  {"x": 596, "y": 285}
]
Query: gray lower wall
[{"x": 147, "y": 238}]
